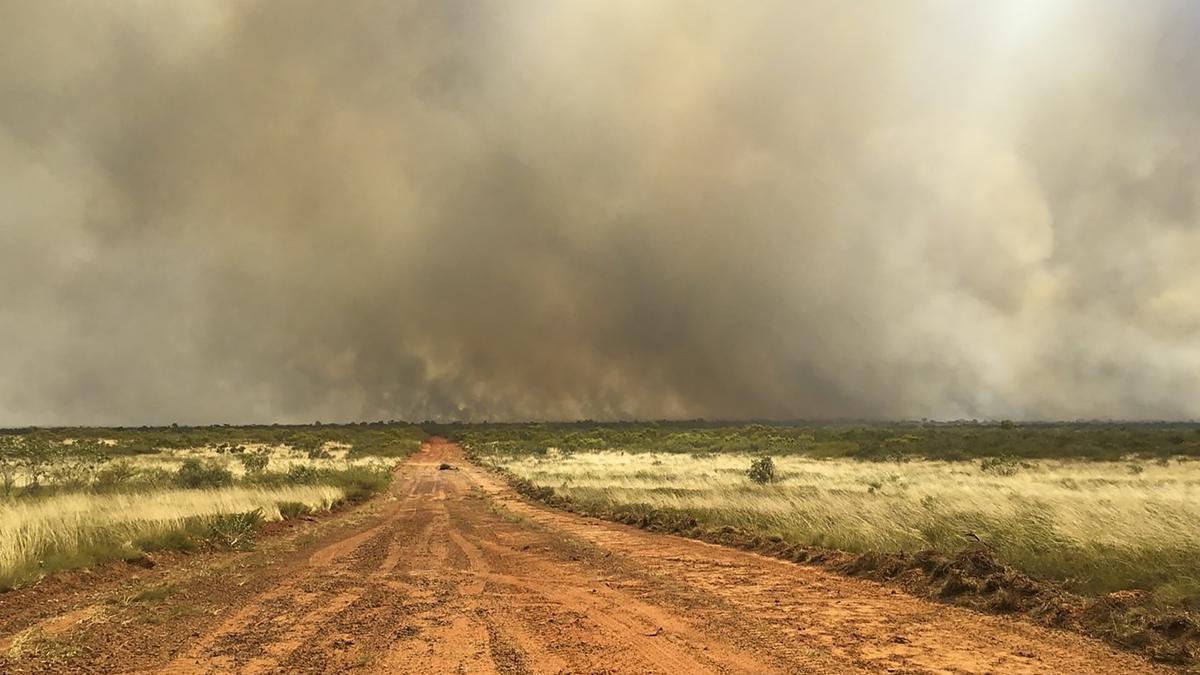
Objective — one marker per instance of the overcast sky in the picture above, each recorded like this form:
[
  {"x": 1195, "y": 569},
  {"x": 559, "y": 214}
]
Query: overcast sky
[{"x": 227, "y": 211}]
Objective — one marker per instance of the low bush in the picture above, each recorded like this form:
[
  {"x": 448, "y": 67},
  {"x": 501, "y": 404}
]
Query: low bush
[
  {"x": 115, "y": 476},
  {"x": 195, "y": 474},
  {"x": 762, "y": 470},
  {"x": 303, "y": 474},
  {"x": 255, "y": 462}
]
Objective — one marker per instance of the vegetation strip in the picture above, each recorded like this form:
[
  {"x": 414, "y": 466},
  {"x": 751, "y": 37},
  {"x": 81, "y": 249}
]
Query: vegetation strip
[{"x": 71, "y": 498}]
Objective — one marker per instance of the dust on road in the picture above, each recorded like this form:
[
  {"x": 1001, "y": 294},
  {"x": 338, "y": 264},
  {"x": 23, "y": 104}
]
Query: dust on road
[{"x": 453, "y": 573}]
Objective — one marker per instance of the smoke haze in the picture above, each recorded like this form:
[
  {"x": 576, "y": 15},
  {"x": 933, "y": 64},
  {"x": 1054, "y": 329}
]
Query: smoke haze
[{"x": 259, "y": 210}]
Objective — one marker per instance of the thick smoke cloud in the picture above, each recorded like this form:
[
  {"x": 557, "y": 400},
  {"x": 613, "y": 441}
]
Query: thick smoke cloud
[{"x": 242, "y": 210}]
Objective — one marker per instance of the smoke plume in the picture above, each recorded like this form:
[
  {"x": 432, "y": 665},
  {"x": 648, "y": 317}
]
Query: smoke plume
[{"x": 269, "y": 210}]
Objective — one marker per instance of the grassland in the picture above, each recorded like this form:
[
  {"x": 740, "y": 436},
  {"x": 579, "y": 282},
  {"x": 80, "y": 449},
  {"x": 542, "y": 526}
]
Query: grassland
[
  {"x": 75, "y": 530},
  {"x": 74, "y": 497}
]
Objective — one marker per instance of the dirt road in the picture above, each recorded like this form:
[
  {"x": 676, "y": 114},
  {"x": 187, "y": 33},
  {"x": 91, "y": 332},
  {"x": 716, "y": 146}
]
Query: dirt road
[{"x": 455, "y": 574}]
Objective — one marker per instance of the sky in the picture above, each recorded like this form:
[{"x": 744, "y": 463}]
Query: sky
[{"x": 288, "y": 211}]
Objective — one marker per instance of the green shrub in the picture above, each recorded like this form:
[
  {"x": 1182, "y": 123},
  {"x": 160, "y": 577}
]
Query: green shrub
[
  {"x": 114, "y": 477},
  {"x": 762, "y": 470},
  {"x": 303, "y": 474},
  {"x": 255, "y": 462},
  {"x": 195, "y": 474}
]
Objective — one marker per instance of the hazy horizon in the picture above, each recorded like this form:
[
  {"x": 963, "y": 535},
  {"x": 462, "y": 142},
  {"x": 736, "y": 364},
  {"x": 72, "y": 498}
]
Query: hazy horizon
[{"x": 254, "y": 210}]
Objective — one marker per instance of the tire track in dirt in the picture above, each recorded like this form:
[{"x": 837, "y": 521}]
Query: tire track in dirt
[
  {"x": 616, "y": 630},
  {"x": 265, "y": 632},
  {"x": 651, "y": 640},
  {"x": 455, "y": 573}
]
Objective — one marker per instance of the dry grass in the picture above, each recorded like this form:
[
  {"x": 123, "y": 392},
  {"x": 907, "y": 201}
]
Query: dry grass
[
  {"x": 71, "y": 530},
  {"x": 1099, "y": 526}
]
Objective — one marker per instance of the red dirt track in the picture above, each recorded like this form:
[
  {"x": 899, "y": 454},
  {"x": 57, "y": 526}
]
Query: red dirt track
[{"x": 454, "y": 573}]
